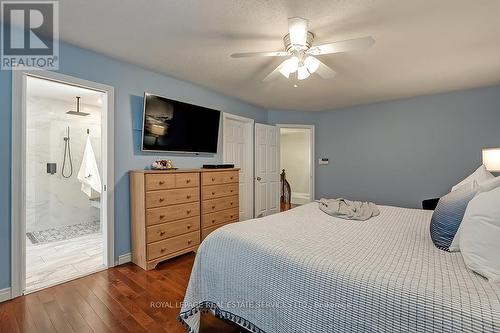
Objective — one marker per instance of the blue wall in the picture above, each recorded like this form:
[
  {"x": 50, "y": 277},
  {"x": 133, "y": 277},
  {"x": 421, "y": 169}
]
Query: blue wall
[
  {"x": 403, "y": 151},
  {"x": 129, "y": 82}
]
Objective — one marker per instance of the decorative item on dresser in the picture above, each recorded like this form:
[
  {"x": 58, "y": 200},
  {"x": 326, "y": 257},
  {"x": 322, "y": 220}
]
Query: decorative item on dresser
[{"x": 165, "y": 210}]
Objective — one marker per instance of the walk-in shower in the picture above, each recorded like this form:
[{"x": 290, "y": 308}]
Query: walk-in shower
[{"x": 64, "y": 235}]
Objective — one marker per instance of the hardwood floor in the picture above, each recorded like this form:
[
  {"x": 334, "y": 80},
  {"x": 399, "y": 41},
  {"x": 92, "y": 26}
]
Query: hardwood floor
[{"x": 121, "y": 299}]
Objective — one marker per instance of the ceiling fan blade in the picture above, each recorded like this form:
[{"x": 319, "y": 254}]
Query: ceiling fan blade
[
  {"x": 297, "y": 28},
  {"x": 325, "y": 72},
  {"x": 275, "y": 73},
  {"x": 342, "y": 46},
  {"x": 259, "y": 54}
]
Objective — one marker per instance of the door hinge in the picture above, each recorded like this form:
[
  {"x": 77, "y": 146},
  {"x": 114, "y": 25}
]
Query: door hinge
[{"x": 105, "y": 188}]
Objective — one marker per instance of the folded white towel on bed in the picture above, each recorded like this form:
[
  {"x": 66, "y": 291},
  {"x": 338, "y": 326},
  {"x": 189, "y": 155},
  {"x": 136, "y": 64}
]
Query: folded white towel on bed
[{"x": 349, "y": 210}]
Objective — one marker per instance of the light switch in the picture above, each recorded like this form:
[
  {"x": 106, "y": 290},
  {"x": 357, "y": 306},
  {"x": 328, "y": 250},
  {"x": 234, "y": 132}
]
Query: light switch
[{"x": 323, "y": 161}]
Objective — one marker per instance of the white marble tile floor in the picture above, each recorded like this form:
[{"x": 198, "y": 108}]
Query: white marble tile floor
[{"x": 53, "y": 263}]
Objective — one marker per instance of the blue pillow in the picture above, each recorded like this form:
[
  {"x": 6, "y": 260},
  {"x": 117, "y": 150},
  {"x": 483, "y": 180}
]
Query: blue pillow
[{"x": 448, "y": 215}]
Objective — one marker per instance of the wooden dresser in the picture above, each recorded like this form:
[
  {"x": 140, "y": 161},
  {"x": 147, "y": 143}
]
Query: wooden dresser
[
  {"x": 219, "y": 200},
  {"x": 168, "y": 217}
]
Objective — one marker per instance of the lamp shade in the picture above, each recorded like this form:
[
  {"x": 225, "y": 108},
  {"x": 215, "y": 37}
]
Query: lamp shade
[{"x": 491, "y": 159}]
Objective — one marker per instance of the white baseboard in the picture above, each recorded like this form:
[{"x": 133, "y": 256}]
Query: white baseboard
[
  {"x": 5, "y": 295},
  {"x": 124, "y": 258}
]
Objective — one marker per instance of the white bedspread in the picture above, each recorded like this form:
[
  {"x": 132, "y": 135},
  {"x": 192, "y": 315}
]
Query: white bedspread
[{"x": 305, "y": 271}]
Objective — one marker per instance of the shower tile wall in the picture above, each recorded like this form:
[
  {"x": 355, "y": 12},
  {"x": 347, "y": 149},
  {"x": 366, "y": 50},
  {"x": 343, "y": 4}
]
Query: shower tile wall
[{"x": 52, "y": 200}]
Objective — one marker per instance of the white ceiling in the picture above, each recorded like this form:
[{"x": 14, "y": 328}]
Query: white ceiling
[
  {"x": 54, "y": 90},
  {"x": 422, "y": 46}
]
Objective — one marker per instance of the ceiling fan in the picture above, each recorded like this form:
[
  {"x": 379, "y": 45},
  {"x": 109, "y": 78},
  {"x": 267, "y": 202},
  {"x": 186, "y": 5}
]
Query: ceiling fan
[{"x": 301, "y": 62}]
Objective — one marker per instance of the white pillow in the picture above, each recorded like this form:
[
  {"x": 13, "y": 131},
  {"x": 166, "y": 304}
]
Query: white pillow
[
  {"x": 486, "y": 186},
  {"x": 480, "y": 175},
  {"x": 489, "y": 185},
  {"x": 480, "y": 235}
]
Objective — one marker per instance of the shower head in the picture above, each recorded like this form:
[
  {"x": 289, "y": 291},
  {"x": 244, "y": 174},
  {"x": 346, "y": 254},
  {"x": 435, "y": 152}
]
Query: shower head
[{"x": 77, "y": 112}]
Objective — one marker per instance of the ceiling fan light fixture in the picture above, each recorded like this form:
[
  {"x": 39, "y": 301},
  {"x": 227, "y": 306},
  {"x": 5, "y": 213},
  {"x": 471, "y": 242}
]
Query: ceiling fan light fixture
[
  {"x": 302, "y": 61},
  {"x": 312, "y": 64},
  {"x": 302, "y": 73},
  {"x": 285, "y": 72},
  {"x": 289, "y": 66}
]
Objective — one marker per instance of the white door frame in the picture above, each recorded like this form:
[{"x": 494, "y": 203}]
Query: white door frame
[
  {"x": 311, "y": 154},
  {"x": 250, "y": 154},
  {"x": 18, "y": 172}
]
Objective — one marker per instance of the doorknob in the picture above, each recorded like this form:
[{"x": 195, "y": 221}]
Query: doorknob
[{"x": 259, "y": 179}]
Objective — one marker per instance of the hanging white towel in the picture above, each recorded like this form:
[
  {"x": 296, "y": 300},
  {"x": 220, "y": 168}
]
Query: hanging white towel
[{"x": 89, "y": 173}]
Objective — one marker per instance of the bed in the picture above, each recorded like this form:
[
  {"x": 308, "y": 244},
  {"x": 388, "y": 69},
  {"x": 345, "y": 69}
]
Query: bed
[{"x": 305, "y": 271}]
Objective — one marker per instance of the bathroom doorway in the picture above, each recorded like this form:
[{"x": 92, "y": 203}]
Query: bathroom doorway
[
  {"x": 63, "y": 223},
  {"x": 297, "y": 161}
]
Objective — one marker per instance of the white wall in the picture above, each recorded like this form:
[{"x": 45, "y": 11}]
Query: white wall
[
  {"x": 52, "y": 200},
  {"x": 294, "y": 158}
]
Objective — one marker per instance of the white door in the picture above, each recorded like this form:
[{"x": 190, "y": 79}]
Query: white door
[
  {"x": 238, "y": 150},
  {"x": 267, "y": 176}
]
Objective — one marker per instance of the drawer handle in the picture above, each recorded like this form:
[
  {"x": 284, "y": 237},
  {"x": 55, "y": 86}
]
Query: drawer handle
[
  {"x": 161, "y": 199},
  {"x": 162, "y": 217},
  {"x": 213, "y": 179},
  {"x": 213, "y": 193},
  {"x": 189, "y": 242},
  {"x": 231, "y": 203},
  {"x": 188, "y": 211},
  {"x": 189, "y": 226},
  {"x": 213, "y": 207},
  {"x": 188, "y": 181},
  {"x": 231, "y": 178},
  {"x": 163, "y": 249},
  {"x": 161, "y": 182},
  {"x": 213, "y": 221},
  {"x": 162, "y": 233},
  {"x": 188, "y": 196},
  {"x": 230, "y": 216},
  {"x": 231, "y": 191}
]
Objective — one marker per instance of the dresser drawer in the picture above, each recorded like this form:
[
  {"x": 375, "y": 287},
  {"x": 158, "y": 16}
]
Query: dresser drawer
[
  {"x": 171, "y": 197},
  {"x": 217, "y": 191},
  {"x": 171, "y": 213},
  {"x": 171, "y": 229},
  {"x": 159, "y": 182},
  {"x": 187, "y": 180},
  {"x": 222, "y": 177},
  {"x": 206, "y": 231},
  {"x": 209, "y": 220},
  {"x": 174, "y": 244},
  {"x": 215, "y": 205}
]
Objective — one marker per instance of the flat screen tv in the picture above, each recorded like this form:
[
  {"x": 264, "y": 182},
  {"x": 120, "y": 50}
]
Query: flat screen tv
[{"x": 175, "y": 126}]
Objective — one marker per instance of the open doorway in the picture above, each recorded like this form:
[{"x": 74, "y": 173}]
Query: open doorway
[
  {"x": 297, "y": 161},
  {"x": 62, "y": 221}
]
